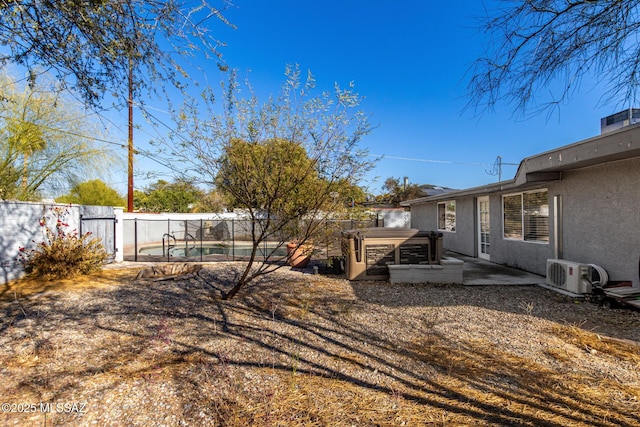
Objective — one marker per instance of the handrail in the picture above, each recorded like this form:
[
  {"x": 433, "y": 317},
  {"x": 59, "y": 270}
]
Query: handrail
[
  {"x": 168, "y": 244},
  {"x": 187, "y": 251}
]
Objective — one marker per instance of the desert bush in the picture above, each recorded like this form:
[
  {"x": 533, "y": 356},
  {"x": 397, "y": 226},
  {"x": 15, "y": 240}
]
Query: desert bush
[{"x": 63, "y": 252}]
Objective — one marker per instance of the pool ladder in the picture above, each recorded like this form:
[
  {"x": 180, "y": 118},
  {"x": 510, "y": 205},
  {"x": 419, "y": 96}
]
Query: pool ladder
[
  {"x": 187, "y": 250},
  {"x": 167, "y": 246},
  {"x": 169, "y": 242}
]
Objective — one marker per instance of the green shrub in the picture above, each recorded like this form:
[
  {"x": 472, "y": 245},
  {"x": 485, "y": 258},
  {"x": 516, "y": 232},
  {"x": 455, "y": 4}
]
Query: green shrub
[{"x": 62, "y": 253}]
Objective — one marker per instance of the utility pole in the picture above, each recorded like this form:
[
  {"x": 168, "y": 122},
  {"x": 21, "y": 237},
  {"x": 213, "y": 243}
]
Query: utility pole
[{"x": 130, "y": 178}]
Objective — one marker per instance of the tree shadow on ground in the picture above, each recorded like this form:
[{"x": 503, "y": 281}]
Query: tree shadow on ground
[
  {"x": 281, "y": 341},
  {"x": 518, "y": 299}
]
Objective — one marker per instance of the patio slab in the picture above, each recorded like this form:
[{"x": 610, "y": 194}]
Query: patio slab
[{"x": 479, "y": 272}]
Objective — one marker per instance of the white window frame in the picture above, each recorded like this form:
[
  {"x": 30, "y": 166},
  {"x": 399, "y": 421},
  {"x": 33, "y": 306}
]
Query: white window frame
[
  {"x": 448, "y": 222},
  {"x": 527, "y": 221}
]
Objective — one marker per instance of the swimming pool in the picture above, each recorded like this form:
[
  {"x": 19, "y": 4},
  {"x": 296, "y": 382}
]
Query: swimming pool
[{"x": 208, "y": 248}]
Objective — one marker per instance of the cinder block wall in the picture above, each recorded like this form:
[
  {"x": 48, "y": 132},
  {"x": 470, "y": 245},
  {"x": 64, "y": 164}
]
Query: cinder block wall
[{"x": 20, "y": 227}]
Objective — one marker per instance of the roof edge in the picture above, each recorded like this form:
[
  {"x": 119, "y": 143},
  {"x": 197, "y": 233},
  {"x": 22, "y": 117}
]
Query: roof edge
[
  {"x": 548, "y": 166},
  {"x": 480, "y": 190}
]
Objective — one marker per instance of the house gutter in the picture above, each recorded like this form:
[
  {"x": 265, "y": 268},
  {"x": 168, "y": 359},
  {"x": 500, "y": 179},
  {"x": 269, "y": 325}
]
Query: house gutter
[{"x": 479, "y": 191}]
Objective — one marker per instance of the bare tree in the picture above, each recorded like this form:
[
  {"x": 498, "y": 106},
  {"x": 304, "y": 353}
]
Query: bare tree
[
  {"x": 534, "y": 44},
  {"x": 93, "y": 45},
  {"x": 289, "y": 162}
]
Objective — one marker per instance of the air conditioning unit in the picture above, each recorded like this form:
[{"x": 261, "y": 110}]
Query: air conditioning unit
[{"x": 568, "y": 275}]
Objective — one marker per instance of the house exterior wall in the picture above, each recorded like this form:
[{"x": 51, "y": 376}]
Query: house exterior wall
[
  {"x": 465, "y": 228},
  {"x": 528, "y": 256},
  {"x": 600, "y": 222},
  {"x": 424, "y": 216},
  {"x": 524, "y": 255},
  {"x": 601, "y": 217}
]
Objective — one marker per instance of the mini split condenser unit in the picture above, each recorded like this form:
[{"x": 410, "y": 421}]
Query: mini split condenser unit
[{"x": 569, "y": 276}]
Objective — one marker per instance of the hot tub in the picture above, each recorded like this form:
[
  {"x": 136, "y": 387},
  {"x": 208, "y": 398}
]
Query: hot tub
[{"x": 369, "y": 251}]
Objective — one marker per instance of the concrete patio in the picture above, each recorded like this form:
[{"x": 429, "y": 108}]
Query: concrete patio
[{"x": 481, "y": 272}]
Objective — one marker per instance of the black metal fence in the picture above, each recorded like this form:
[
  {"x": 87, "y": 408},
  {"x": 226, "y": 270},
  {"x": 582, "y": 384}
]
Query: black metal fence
[{"x": 166, "y": 239}]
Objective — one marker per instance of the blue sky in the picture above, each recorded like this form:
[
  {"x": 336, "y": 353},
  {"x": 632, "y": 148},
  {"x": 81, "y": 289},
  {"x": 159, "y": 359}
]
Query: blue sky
[{"x": 410, "y": 60}]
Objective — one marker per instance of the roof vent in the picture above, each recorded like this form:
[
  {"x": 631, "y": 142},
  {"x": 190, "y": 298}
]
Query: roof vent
[{"x": 619, "y": 120}]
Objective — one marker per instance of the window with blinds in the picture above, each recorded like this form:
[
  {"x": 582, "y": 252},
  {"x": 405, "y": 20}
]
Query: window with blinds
[
  {"x": 526, "y": 216},
  {"x": 512, "y": 216},
  {"x": 447, "y": 216}
]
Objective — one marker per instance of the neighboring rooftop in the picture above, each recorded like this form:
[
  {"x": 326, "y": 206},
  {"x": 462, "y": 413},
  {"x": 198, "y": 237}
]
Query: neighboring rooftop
[
  {"x": 434, "y": 190},
  {"x": 618, "y": 120}
]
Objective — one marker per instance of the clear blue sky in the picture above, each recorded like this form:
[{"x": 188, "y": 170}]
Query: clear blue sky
[{"x": 409, "y": 59}]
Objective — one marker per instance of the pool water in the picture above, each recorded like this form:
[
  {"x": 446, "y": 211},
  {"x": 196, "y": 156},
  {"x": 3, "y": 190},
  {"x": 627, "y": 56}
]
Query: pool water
[{"x": 214, "y": 249}]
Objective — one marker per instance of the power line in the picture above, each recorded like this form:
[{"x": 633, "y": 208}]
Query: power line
[
  {"x": 383, "y": 156},
  {"x": 66, "y": 132},
  {"x": 157, "y": 120},
  {"x": 147, "y": 154}
]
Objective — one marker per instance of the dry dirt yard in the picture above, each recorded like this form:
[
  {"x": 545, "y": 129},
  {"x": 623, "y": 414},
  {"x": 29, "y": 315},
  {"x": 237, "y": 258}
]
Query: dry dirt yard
[{"x": 299, "y": 349}]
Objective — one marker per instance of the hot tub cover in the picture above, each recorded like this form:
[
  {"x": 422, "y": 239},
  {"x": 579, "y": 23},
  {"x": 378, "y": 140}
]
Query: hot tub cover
[{"x": 386, "y": 232}]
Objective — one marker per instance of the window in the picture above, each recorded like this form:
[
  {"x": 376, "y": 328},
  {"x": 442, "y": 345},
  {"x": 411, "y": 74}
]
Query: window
[
  {"x": 447, "y": 216},
  {"x": 526, "y": 216},
  {"x": 512, "y": 214}
]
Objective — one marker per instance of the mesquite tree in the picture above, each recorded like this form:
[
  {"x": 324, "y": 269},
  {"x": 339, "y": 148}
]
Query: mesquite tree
[
  {"x": 539, "y": 51},
  {"x": 287, "y": 162}
]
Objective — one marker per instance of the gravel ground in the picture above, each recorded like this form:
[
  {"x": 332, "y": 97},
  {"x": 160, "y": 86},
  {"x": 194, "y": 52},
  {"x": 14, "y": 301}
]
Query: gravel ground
[{"x": 302, "y": 349}]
